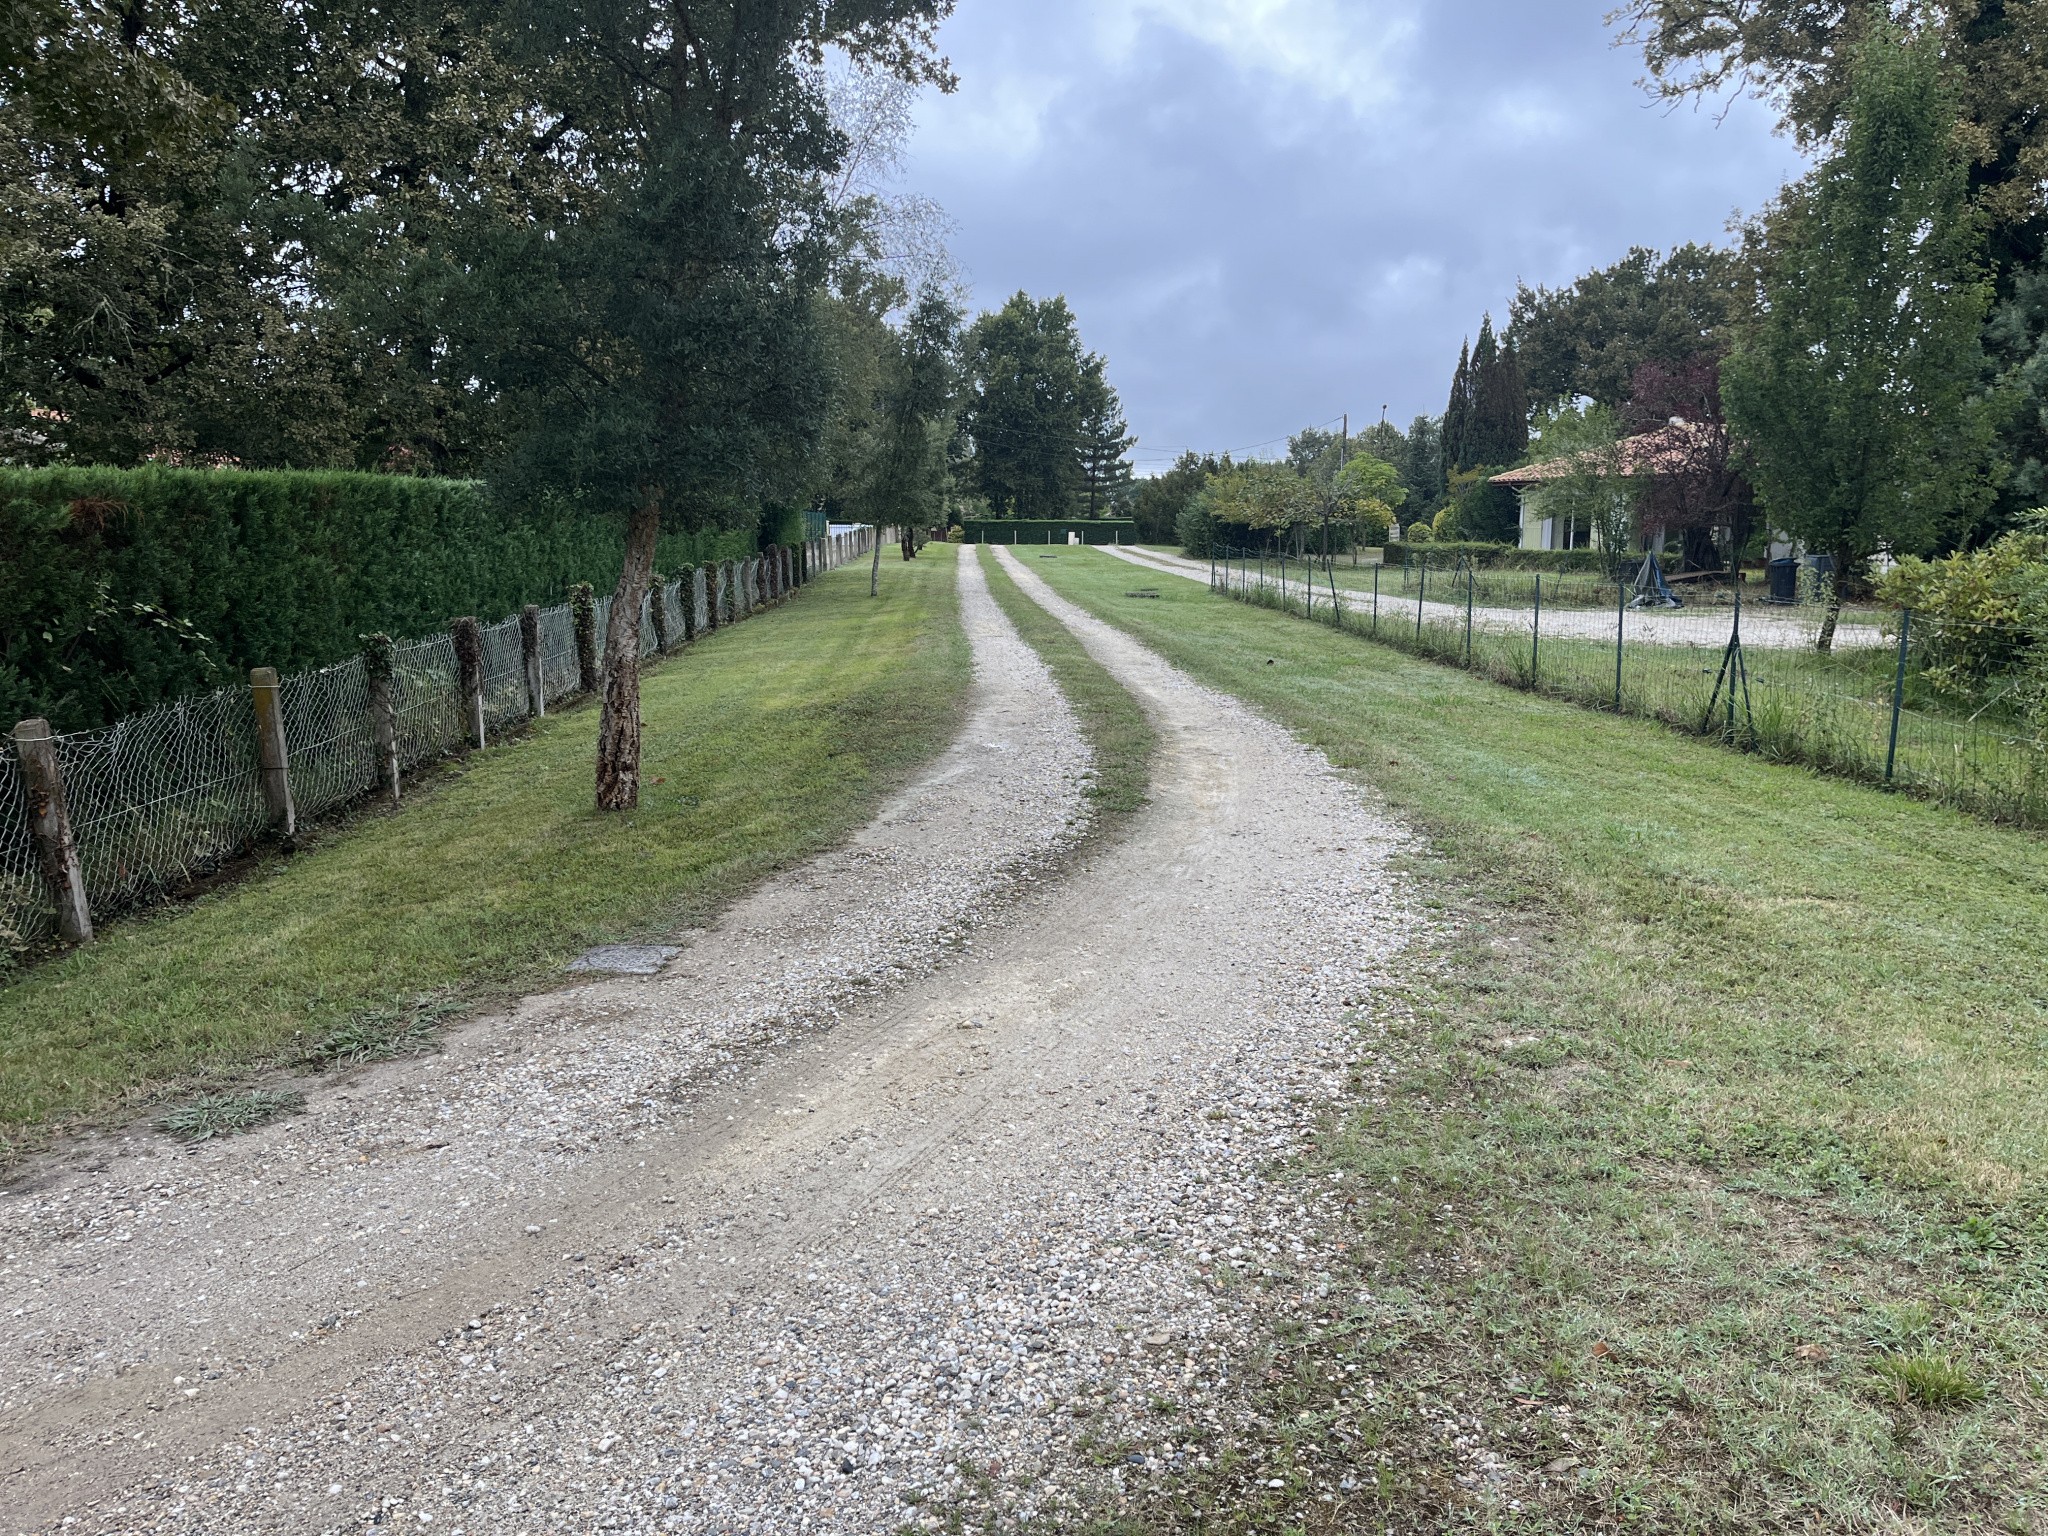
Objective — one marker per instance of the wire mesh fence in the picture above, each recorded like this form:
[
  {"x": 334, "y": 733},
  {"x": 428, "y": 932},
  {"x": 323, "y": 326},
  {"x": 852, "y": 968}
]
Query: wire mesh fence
[
  {"x": 159, "y": 799},
  {"x": 23, "y": 905},
  {"x": 1881, "y": 703},
  {"x": 165, "y": 798}
]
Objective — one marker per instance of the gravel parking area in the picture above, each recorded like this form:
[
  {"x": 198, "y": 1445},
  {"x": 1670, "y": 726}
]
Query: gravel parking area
[{"x": 922, "y": 1182}]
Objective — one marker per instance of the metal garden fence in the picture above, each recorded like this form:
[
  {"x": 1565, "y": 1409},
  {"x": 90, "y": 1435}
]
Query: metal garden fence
[
  {"x": 1888, "y": 703},
  {"x": 97, "y": 822}
]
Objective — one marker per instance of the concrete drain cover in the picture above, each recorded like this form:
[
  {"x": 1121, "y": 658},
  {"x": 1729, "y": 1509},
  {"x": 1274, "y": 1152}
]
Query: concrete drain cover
[{"x": 626, "y": 959}]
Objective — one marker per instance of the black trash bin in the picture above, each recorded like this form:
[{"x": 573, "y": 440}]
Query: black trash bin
[{"x": 1784, "y": 577}]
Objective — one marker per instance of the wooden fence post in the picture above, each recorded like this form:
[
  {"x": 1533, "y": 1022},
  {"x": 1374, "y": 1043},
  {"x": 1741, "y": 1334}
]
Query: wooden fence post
[
  {"x": 378, "y": 665},
  {"x": 50, "y": 820},
  {"x": 469, "y": 662},
  {"x": 529, "y": 657},
  {"x": 271, "y": 753},
  {"x": 693, "y": 583}
]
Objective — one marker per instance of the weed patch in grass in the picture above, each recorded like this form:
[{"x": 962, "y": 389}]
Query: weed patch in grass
[
  {"x": 386, "y": 1032},
  {"x": 229, "y": 1114},
  {"x": 1930, "y": 1379}
]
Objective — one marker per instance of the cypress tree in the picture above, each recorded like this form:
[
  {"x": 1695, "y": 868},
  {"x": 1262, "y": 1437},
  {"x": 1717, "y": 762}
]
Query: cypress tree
[
  {"x": 1457, "y": 420},
  {"x": 1497, "y": 427}
]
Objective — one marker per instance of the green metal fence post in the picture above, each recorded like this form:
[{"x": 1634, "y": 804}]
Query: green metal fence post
[
  {"x": 1421, "y": 582},
  {"x": 1891, "y": 752},
  {"x": 1469, "y": 575},
  {"x": 1536, "y": 630},
  {"x": 1620, "y": 618},
  {"x": 1376, "y": 598}
]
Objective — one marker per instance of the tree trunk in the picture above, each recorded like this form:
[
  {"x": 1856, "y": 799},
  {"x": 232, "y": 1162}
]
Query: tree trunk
[
  {"x": 875, "y": 570},
  {"x": 618, "y": 727},
  {"x": 1831, "y": 607}
]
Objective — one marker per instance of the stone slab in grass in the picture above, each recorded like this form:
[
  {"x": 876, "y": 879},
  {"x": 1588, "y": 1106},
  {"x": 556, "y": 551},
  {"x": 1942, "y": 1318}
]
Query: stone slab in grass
[{"x": 626, "y": 959}]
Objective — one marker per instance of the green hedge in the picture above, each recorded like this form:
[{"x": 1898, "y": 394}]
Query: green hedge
[
  {"x": 1040, "y": 530},
  {"x": 1497, "y": 557},
  {"x": 125, "y": 588}
]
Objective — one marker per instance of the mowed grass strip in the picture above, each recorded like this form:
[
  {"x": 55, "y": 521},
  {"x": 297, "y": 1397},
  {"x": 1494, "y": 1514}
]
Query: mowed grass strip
[
  {"x": 763, "y": 743},
  {"x": 1709, "y": 1183},
  {"x": 1113, "y": 721}
]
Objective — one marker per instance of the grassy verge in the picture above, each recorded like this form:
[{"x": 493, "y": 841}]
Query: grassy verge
[
  {"x": 1115, "y": 726},
  {"x": 1709, "y": 1194},
  {"x": 763, "y": 743}
]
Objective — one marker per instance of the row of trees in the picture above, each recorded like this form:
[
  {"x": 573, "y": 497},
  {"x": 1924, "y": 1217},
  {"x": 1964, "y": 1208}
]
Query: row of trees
[{"x": 1866, "y": 370}]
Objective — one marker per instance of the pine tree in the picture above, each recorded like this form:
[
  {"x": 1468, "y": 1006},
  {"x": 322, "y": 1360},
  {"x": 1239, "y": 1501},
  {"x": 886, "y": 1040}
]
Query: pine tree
[{"x": 1105, "y": 439}]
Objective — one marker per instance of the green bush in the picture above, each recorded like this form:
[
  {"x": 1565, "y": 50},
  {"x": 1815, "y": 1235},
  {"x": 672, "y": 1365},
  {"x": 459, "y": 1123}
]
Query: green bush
[
  {"x": 1988, "y": 607},
  {"x": 1196, "y": 530},
  {"x": 126, "y": 588}
]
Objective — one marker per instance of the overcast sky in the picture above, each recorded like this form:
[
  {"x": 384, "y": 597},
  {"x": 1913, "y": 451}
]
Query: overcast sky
[{"x": 1266, "y": 212}]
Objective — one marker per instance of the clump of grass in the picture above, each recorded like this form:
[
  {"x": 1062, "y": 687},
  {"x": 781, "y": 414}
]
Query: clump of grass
[
  {"x": 1929, "y": 1379},
  {"x": 229, "y": 1114},
  {"x": 410, "y": 1027}
]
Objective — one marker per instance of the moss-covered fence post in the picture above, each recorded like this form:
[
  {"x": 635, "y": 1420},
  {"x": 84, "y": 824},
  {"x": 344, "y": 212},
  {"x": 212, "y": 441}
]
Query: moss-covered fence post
[
  {"x": 469, "y": 661},
  {"x": 583, "y": 611},
  {"x": 657, "y": 598},
  {"x": 529, "y": 662},
  {"x": 380, "y": 667}
]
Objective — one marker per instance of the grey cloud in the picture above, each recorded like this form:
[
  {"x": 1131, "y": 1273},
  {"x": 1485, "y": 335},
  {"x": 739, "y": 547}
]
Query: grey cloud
[{"x": 1252, "y": 254}]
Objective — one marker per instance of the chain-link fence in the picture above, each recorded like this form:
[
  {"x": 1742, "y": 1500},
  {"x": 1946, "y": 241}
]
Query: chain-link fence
[
  {"x": 1879, "y": 704},
  {"x": 162, "y": 799}
]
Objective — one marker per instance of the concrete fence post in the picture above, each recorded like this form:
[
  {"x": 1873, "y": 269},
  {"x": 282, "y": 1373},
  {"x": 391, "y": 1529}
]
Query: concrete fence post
[
  {"x": 529, "y": 660},
  {"x": 469, "y": 660},
  {"x": 271, "y": 752},
  {"x": 50, "y": 820}
]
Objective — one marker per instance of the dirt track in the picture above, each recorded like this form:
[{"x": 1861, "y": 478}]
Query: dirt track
[{"x": 926, "y": 1153}]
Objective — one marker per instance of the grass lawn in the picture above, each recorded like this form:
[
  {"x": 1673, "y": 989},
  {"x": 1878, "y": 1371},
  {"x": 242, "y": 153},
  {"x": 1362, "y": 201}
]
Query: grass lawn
[
  {"x": 1123, "y": 739},
  {"x": 764, "y": 743},
  {"x": 1711, "y": 1184}
]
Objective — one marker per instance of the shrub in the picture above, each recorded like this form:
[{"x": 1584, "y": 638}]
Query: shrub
[
  {"x": 1196, "y": 531},
  {"x": 1989, "y": 607}
]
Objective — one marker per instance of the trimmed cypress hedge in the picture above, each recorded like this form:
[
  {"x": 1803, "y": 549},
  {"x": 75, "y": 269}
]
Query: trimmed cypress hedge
[
  {"x": 1033, "y": 530},
  {"x": 121, "y": 589}
]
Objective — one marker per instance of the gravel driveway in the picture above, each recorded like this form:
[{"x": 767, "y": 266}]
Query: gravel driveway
[
  {"x": 913, "y": 1182},
  {"x": 1703, "y": 627}
]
